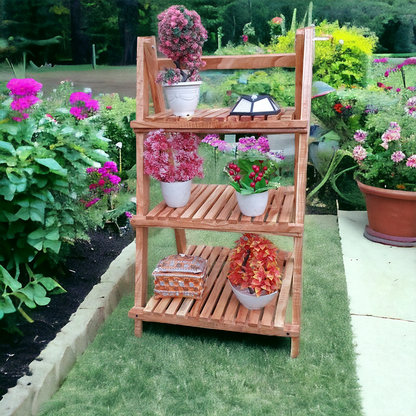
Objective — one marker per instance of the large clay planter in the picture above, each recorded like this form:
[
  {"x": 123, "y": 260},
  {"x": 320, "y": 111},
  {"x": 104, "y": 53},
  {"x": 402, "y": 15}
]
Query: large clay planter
[
  {"x": 176, "y": 194},
  {"x": 183, "y": 97},
  {"x": 252, "y": 205},
  {"x": 391, "y": 216}
]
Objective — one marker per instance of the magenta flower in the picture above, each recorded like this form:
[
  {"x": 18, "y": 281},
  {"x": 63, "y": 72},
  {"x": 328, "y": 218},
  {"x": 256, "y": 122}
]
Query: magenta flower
[
  {"x": 24, "y": 87},
  {"x": 360, "y": 136},
  {"x": 83, "y": 105},
  {"x": 245, "y": 38},
  {"x": 111, "y": 166},
  {"x": 398, "y": 156},
  {"x": 128, "y": 214}
]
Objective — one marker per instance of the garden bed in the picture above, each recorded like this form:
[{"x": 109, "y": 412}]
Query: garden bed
[{"x": 87, "y": 262}]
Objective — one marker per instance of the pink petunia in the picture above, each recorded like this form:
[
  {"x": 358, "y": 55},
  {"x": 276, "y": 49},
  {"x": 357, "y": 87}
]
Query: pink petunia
[
  {"x": 411, "y": 162},
  {"x": 360, "y": 136},
  {"x": 398, "y": 156},
  {"x": 359, "y": 153}
]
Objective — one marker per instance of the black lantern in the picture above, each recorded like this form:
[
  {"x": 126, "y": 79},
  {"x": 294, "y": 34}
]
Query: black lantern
[{"x": 255, "y": 105}]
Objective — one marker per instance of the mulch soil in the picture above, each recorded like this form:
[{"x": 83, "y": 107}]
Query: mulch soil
[{"x": 83, "y": 269}]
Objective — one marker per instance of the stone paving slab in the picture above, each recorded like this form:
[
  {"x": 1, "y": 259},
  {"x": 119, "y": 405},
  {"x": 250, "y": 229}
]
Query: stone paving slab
[{"x": 381, "y": 282}]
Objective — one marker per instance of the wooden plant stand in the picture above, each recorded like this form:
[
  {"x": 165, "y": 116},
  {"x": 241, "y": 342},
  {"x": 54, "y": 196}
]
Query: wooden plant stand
[{"x": 214, "y": 207}]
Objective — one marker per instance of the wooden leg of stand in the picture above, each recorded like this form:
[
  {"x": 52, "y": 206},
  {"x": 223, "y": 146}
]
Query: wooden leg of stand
[
  {"x": 294, "y": 350},
  {"x": 180, "y": 240},
  {"x": 140, "y": 296}
]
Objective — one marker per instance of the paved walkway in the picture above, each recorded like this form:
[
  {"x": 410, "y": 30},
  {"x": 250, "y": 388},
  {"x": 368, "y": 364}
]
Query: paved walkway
[{"x": 381, "y": 284}]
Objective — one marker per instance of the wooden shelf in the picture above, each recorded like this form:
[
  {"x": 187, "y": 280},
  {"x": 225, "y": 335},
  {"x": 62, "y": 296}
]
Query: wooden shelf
[
  {"x": 220, "y": 120},
  {"x": 219, "y": 308},
  {"x": 214, "y": 207}
]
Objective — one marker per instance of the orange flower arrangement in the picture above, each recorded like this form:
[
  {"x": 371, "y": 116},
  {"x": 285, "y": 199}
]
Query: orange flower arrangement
[{"x": 253, "y": 265}]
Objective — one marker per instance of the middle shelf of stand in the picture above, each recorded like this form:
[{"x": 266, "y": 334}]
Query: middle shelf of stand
[{"x": 214, "y": 207}]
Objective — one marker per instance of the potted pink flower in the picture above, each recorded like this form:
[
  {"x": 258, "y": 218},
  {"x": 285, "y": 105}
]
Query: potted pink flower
[
  {"x": 181, "y": 37},
  {"x": 173, "y": 160}
]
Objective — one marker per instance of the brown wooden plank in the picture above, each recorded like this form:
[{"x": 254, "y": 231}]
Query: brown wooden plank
[
  {"x": 287, "y": 206},
  {"x": 235, "y": 215},
  {"x": 156, "y": 210},
  {"x": 191, "y": 209},
  {"x": 215, "y": 113},
  {"x": 223, "y": 115},
  {"x": 240, "y": 61},
  {"x": 283, "y": 300},
  {"x": 254, "y": 318},
  {"x": 276, "y": 206},
  {"x": 221, "y": 202},
  {"x": 174, "y": 306},
  {"x": 151, "y": 304},
  {"x": 165, "y": 213},
  {"x": 288, "y": 114},
  {"x": 162, "y": 115},
  {"x": 194, "y": 195},
  {"x": 162, "y": 305},
  {"x": 209, "y": 202},
  {"x": 229, "y": 207},
  {"x": 230, "y": 312},
  {"x": 200, "y": 114},
  {"x": 241, "y": 315},
  {"x": 216, "y": 290},
  {"x": 269, "y": 312},
  {"x": 222, "y": 303}
]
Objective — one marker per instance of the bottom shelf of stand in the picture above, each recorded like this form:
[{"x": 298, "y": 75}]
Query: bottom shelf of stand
[{"x": 219, "y": 308}]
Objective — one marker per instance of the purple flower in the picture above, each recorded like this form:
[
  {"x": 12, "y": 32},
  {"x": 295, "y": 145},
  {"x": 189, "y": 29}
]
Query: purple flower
[
  {"x": 24, "y": 87},
  {"x": 360, "y": 136},
  {"x": 114, "y": 179},
  {"x": 112, "y": 166},
  {"x": 128, "y": 214}
]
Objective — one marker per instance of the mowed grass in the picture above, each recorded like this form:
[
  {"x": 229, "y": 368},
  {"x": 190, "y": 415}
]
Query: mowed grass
[{"x": 174, "y": 370}]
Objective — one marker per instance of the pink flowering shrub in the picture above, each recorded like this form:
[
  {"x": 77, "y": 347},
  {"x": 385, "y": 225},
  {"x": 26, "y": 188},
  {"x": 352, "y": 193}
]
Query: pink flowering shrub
[
  {"x": 181, "y": 36},
  {"x": 255, "y": 169},
  {"x": 24, "y": 93},
  {"x": 172, "y": 157},
  {"x": 388, "y": 161},
  {"x": 103, "y": 181},
  {"x": 83, "y": 105}
]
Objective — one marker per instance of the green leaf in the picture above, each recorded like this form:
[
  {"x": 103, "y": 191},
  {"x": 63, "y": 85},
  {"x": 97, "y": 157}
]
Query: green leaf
[
  {"x": 53, "y": 235},
  {"x": 50, "y": 284},
  {"x": 53, "y": 245},
  {"x": 6, "y": 305},
  {"x": 8, "y": 146},
  {"x": 9, "y": 281},
  {"x": 39, "y": 233},
  {"x": 7, "y": 190},
  {"x": 53, "y": 165},
  {"x": 42, "y": 301},
  {"x": 23, "y": 152},
  {"x": 36, "y": 243}
]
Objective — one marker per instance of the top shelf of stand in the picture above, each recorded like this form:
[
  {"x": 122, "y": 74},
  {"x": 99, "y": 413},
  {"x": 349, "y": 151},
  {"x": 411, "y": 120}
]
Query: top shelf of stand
[{"x": 206, "y": 120}]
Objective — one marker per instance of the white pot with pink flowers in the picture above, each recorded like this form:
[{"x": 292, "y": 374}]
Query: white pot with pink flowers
[
  {"x": 173, "y": 160},
  {"x": 181, "y": 37}
]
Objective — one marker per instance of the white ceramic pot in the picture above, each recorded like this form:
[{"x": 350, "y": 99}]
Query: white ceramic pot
[
  {"x": 183, "y": 97},
  {"x": 176, "y": 194},
  {"x": 252, "y": 301},
  {"x": 252, "y": 204}
]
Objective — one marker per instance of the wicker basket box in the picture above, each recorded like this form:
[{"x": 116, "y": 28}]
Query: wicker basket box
[{"x": 181, "y": 276}]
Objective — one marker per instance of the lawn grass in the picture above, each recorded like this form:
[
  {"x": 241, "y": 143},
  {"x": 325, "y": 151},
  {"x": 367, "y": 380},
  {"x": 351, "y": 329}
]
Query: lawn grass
[{"x": 174, "y": 370}]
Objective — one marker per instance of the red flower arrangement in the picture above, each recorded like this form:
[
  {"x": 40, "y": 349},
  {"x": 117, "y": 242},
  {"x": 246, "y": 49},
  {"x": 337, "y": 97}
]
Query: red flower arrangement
[
  {"x": 253, "y": 265},
  {"x": 338, "y": 108},
  {"x": 173, "y": 157}
]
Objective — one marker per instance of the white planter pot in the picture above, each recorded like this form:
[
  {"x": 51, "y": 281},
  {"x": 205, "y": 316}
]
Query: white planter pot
[
  {"x": 252, "y": 301},
  {"x": 176, "y": 194},
  {"x": 252, "y": 204},
  {"x": 183, "y": 97}
]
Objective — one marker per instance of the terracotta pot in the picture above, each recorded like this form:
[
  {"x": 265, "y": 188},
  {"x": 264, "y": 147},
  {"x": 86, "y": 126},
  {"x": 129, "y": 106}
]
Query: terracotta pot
[{"x": 391, "y": 215}]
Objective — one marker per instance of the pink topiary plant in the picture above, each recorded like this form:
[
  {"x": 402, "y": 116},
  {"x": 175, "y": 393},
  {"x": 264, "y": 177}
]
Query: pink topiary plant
[{"x": 181, "y": 36}]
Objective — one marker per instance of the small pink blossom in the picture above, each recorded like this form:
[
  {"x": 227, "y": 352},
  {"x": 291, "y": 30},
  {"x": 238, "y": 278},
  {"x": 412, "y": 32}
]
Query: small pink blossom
[
  {"x": 245, "y": 38},
  {"x": 360, "y": 136},
  {"x": 359, "y": 153},
  {"x": 398, "y": 156},
  {"x": 411, "y": 162}
]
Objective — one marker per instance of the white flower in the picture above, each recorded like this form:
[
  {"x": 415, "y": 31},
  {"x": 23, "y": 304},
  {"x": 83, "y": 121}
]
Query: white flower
[
  {"x": 341, "y": 41},
  {"x": 119, "y": 145},
  {"x": 88, "y": 90}
]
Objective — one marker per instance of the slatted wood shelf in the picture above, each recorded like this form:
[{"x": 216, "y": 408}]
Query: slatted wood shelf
[
  {"x": 214, "y": 207},
  {"x": 219, "y": 308},
  {"x": 220, "y": 120}
]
